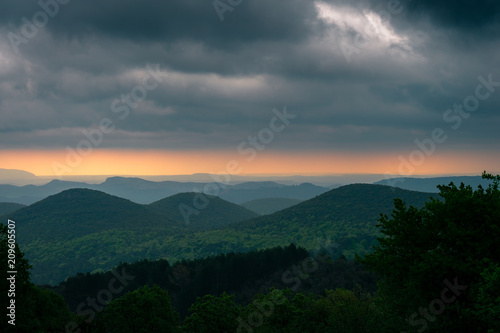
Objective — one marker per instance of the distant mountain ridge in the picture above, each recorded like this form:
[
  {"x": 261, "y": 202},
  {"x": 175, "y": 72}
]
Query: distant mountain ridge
[
  {"x": 144, "y": 191},
  {"x": 430, "y": 184},
  {"x": 14, "y": 173}
]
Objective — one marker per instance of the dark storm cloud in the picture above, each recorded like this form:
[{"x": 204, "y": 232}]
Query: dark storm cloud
[
  {"x": 223, "y": 78},
  {"x": 465, "y": 15},
  {"x": 171, "y": 21}
]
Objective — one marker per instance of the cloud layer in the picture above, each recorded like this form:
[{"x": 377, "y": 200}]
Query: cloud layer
[{"x": 359, "y": 75}]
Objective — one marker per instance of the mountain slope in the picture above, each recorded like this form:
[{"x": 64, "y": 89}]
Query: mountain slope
[
  {"x": 75, "y": 235},
  {"x": 77, "y": 212},
  {"x": 217, "y": 212},
  {"x": 9, "y": 207},
  {"x": 270, "y": 205},
  {"x": 353, "y": 203}
]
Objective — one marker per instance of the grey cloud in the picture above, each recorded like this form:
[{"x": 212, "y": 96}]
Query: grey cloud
[{"x": 225, "y": 77}]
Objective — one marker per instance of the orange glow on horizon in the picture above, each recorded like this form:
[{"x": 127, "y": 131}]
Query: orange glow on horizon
[{"x": 154, "y": 162}]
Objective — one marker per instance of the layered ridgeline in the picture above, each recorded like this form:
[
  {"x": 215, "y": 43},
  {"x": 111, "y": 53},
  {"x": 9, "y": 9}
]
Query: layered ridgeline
[
  {"x": 145, "y": 191},
  {"x": 431, "y": 184},
  {"x": 84, "y": 230},
  {"x": 81, "y": 230}
]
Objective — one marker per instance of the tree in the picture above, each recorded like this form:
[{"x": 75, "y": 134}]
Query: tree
[
  {"x": 36, "y": 310},
  {"x": 212, "y": 314},
  {"x": 430, "y": 258},
  {"x": 487, "y": 307},
  {"x": 146, "y": 309}
]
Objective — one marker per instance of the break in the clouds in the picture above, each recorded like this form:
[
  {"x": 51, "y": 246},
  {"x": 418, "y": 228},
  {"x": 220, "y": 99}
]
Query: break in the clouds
[{"x": 359, "y": 75}]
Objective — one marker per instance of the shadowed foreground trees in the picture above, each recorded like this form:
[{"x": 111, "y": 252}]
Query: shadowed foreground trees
[
  {"x": 36, "y": 310},
  {"x": 146, "y": 309},
  {"x": 438, "y": 266}
]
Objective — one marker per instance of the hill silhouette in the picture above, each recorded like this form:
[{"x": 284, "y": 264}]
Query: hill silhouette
[
  {"x": 270, "y": 205},
  {"x": 217, "y": 212},
  {"x": 145, "y": 192},
  {"x": 9, "y": 207},
  {"x": 83, "y": 230},
  {"x": 77, "y": 212}
]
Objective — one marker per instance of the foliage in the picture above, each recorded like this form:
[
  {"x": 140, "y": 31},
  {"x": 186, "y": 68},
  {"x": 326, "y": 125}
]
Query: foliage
[
  {"x": 212, "y": 314},
  {"x": 36, "y": 310},
  {"x": 431, "y": 258},
  {"x": 487, "y": 292},
  {"x": 241, "y": 274},
  {"x": 146, "y": 309}
]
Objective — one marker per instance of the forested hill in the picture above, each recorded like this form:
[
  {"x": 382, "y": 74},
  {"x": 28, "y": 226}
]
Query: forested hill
[
  {"x": 83, "y": 230},
  {"x": 241, "y": 274},
  {"x": 9, "y": 207},
  {"x": 78, "y": 212},
  {"x": 214, "y": 211},
  {"x": 357, "y": 203}
]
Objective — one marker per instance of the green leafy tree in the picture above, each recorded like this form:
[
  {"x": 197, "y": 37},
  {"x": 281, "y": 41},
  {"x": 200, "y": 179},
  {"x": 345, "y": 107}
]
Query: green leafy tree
[
  {"x": 271, "y": 312},
  {"x": 430, "y": 258},
  {"x": 212, "y": 314},
  {"x": 487, "y": 307},
  {"x": 146, "y": 309}
]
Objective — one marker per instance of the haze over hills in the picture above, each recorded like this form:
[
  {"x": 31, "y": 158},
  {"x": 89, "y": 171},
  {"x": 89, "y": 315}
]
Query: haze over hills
[
  {"x": 106, "y": 230},
  {"x": 21, "y": 178},
  {"x": 430, "y": 184},
  {"x": 17, "y": 177},
  {"x": 145, "y": 192}
]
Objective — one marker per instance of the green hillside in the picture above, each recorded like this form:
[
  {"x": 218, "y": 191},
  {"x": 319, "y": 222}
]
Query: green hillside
[
  {"x": 270, "y": 205},
  {"x": 78, "y": 212},
  {"x": 213, "y": 213},
  {"x": 83, "y": 230},
  {"x": 9, "y": 207}
]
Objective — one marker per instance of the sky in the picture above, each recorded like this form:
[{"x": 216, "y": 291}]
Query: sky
[{"x": 252, "y": 87}]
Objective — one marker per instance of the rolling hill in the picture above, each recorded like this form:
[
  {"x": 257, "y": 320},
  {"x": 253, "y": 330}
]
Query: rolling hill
[
  {"x": 79, "y": 212},
  {"x": 9, "y": 207},
  {"x": 84, "y": 230},
  {"x": 270, "y": 205},
  {"x": 97, "y": 227},
  {"x": 217, "y": 212}
]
